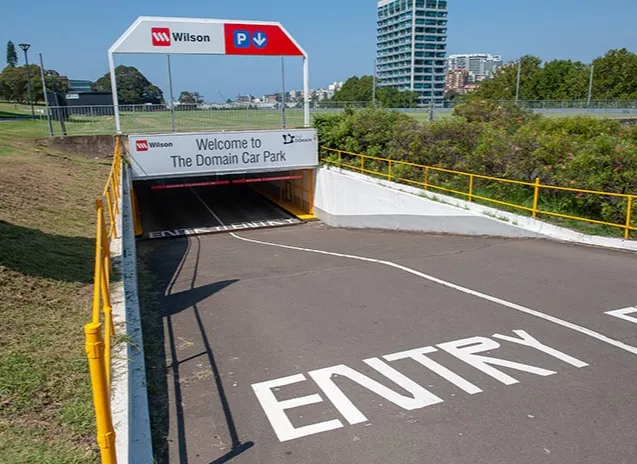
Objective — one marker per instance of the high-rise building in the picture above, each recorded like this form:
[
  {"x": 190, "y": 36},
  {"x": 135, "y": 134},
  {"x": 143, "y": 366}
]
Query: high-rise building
[
  {"x": 412, "y": 47},
  {"x": 482, "y": 65}
]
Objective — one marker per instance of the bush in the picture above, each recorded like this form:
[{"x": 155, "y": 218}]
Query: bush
[{"x": 503, "y": 141}]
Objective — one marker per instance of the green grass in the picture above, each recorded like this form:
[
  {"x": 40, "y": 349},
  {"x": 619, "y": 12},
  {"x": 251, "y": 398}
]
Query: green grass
[
  {"x": 140, "y": 121},
  {"x": 12, "y": 110},
  {"x": 46, "y": 261},
  {"x": 155, "y": 122}
]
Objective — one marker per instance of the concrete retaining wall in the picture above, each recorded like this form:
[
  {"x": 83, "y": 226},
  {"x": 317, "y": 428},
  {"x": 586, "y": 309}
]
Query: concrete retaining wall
[
  {"x": 348, "y": 199},
  {"x": 129, "y": 400}
]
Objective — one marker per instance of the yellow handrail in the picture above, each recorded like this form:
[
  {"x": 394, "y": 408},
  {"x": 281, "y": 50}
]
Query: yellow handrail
[
  {"x": 359, "y": 166},
  {"x": 100, "y": 331}
]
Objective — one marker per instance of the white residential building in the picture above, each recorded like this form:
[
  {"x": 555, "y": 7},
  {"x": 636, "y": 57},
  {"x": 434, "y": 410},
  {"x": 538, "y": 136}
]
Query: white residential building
[{"x": 481, "y": 65}]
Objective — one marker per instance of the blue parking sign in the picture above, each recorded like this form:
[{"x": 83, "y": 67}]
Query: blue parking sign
[{"x": 241, "y": 39}]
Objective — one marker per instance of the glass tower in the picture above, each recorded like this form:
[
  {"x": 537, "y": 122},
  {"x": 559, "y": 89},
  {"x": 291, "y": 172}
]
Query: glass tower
[{"x": 412, "y": 47}]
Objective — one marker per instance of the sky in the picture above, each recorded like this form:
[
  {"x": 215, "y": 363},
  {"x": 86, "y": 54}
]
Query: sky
[{"x": 338, "y": 35}]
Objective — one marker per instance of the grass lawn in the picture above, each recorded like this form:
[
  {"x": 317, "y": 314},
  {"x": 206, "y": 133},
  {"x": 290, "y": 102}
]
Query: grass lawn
[
  {"x": 46, "y": 266},
  {"x": 11, "y": 110}
]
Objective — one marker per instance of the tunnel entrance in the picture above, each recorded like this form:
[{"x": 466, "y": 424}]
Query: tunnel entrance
[
  {"x": 213, "y": 204},
  {"x": 206, "y": 182}
]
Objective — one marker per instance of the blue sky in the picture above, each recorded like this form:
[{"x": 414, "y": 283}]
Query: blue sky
[{"x": 339, "y": 36}]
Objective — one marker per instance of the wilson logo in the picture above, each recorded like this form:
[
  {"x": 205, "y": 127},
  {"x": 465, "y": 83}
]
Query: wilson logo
[
  {"x": 145, "y": 145},
  {"x": 162, "y": 37}
]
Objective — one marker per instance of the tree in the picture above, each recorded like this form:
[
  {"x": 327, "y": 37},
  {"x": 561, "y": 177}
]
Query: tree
[
  {"x": 190, "y": 98},
  {"x": 361, "y": 89},
  {"x": 390, "y": 97},
  {"x": 14, "y": 85},
  {"x": 132, "y": 86},
  {"x": 186, "y": 98},
  {"x": 12, "y": 56},
  {"x": 615, "y": 76},
  {"x": 503, "y": 84},
  {"x": 562, "y": 80},
  {"x": 356, "y": 89}
]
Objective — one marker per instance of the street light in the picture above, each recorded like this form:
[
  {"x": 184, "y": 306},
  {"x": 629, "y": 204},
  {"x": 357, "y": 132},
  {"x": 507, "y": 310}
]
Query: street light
[{"x": 25, "y": 47}]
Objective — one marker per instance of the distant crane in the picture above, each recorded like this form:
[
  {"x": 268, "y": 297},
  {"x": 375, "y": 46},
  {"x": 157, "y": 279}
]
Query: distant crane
[{"x": 223, "y": 97}]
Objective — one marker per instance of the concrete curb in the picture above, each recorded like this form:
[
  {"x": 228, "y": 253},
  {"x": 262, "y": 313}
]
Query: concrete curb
[
  {"x": 129, "y": 400},
  {"x": 526, "y": 226}
]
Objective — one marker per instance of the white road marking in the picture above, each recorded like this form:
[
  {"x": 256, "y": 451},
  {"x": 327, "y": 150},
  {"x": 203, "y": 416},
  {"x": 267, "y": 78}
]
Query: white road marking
[
  {"x": 547, "y": 317},
  {"x": 418, "y": 355},
  {"x": 527, "y": 339},
  {"x": 417, "y": 398},
  {"x": 275, "y": 409},
  {"x": 420, "y": 398},
  {"x": 214, "y": 215},
  {"x": 624, "y": 314},
  {"x": 466, "y": 350}
]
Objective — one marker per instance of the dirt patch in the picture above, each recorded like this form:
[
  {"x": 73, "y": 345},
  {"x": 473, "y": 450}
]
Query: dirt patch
[{"x": 93, "y": 146}]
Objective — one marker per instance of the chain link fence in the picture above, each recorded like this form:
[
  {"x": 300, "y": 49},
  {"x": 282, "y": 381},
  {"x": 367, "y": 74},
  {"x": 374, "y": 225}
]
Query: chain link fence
[{"x": 87, "y": 120}]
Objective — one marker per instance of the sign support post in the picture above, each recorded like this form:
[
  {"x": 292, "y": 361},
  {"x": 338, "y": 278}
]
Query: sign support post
[
  {"x": 111, "y": 65},
  {"x": 306, "y": 89},
  {"x": 282, "y": 92},
  {"x": 172, "y": 95}
]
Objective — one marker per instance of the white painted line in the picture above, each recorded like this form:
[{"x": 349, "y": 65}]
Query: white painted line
[
  {"x": 214, "y": 215},
  {"x": 624, "y": 314},
  {"x": 468, "y": 291},
  {"x": 178, "y": 271}
]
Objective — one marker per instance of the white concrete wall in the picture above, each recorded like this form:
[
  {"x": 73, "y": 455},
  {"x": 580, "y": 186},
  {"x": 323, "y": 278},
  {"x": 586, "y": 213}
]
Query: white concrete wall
[{"x": 347, "y": 199}]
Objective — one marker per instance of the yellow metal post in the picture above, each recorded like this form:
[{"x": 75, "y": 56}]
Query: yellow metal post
[
  {"x": 136, "y": 219},
  {"x": 113, "y": 188},
  {"x": 340, "y": 158},
  {"x": 389, "y": 173},
  {"x": 105, "y": 242},
  {"x": 111, "y": 214},
  {"x": 471, "y": 187},
  {"x": 98, "y": 263},
  {"x": 311, "y": 199},
  {"x": 101, "y": 392},
  {"x": 426, "y": 177},
  {"x": 536, "y": 197},
  {"x": 362, "y": 164},
  {"x": 628, "y": 217}
]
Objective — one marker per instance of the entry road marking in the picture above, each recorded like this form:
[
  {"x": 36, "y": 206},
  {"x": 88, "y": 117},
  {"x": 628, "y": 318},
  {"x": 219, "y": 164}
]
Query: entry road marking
[
  {"x": 624, "y": 314},
  {"x": 547, "y": 317},
  {"x": 418, "y": 397}
]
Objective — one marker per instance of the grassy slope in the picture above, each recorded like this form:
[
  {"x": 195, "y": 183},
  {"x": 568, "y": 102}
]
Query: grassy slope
[{"x": 46, "y": 253}]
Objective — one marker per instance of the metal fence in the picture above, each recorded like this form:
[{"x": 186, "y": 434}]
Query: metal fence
[
  {"x": 101, "y": 331},
  {"x": 503, "y": 193},
  {"x": 83, "y": 120}
]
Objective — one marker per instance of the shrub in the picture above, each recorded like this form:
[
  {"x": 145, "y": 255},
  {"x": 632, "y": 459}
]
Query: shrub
[{"x": 501, "y": 141}]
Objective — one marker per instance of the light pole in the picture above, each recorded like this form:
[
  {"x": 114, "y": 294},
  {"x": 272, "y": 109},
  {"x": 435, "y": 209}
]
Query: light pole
[
  {"x": 25, "y": 47},
  {"x": 517, "y": 83},
  {"x": 590, "y": 86}
]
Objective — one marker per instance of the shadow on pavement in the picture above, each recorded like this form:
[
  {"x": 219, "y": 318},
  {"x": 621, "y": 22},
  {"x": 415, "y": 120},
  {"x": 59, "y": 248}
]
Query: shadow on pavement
[{"x": 159, "y": 305}]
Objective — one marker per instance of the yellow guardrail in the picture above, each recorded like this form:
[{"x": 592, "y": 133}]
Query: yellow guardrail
[
  {"x": 100, "y": 331},
  {"x": 362, "y": 164}
]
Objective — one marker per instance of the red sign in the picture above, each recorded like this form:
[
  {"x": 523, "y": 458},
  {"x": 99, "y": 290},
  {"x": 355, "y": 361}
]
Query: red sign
[
  {"x": 141, "y": 145},
  {"x": 259, "y": 39},
  {"x": 161, "y": 36},
  {"x": 223, "y": 182}
]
